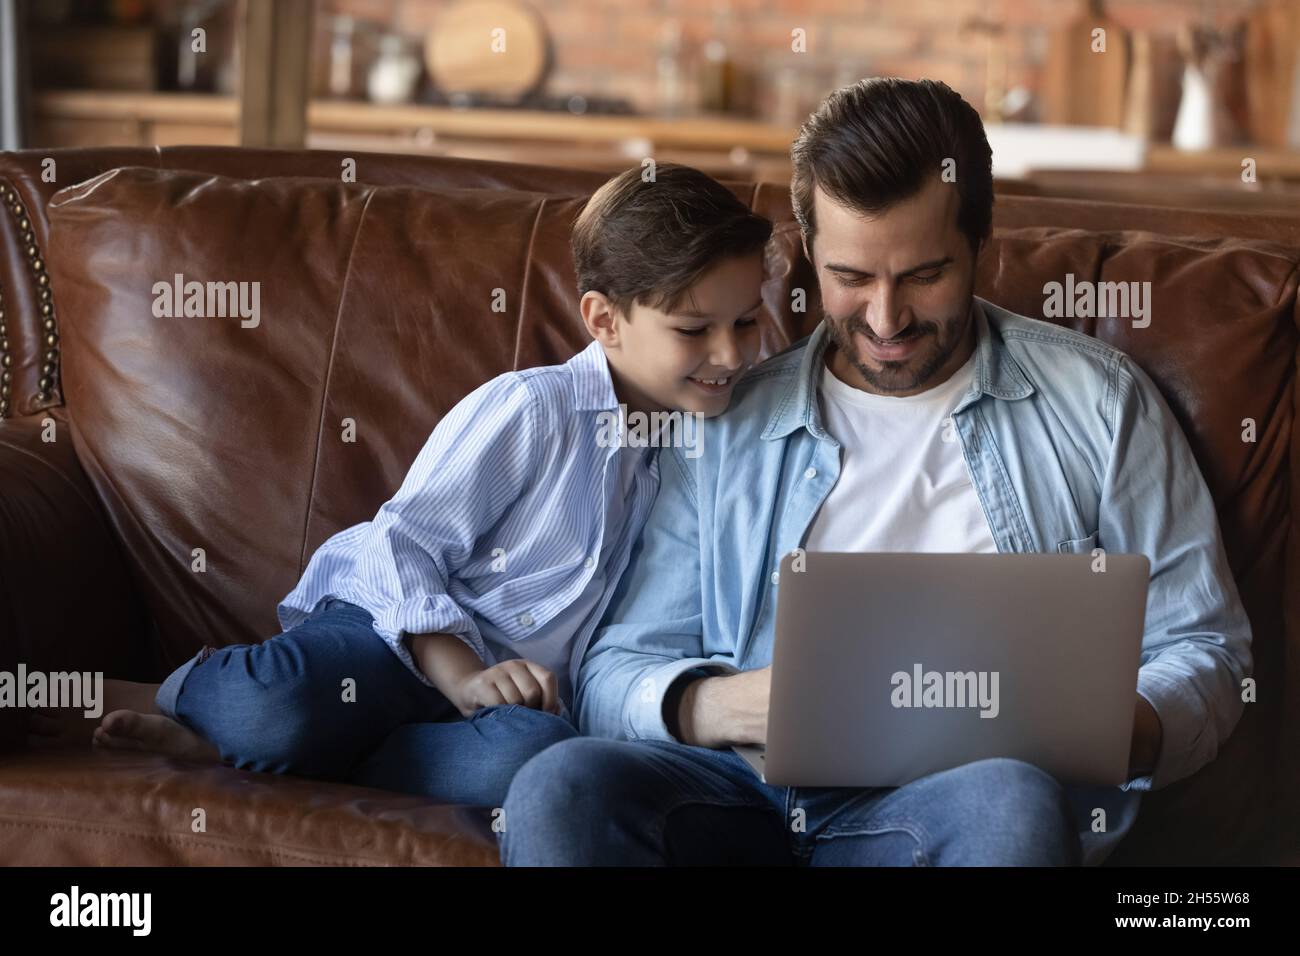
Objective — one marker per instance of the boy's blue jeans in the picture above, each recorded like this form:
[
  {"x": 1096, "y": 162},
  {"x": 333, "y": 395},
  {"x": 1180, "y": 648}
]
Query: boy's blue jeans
[
  {"x": 328, "y": 699},
  {"x": 595, "y": 801}
]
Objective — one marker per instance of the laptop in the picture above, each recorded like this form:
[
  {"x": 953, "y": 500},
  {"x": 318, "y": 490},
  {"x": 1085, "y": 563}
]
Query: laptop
[{"x": 889, "y": 667}]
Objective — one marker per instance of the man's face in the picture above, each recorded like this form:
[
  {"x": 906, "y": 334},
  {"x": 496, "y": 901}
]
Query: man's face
[
  {"x": 896, "y": 290},
  {"x": 662, "y": 357}
]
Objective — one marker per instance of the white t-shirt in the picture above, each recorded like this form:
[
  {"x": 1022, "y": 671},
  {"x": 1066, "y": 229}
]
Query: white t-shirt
[{"x": 901, "y": 486}]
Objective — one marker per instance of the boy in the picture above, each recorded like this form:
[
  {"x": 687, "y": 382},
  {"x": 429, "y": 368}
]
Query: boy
[{"x": 432, "y": 650}]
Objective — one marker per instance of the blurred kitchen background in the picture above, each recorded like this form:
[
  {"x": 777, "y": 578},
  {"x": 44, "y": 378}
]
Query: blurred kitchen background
[{"x": 1178, "y": 102}]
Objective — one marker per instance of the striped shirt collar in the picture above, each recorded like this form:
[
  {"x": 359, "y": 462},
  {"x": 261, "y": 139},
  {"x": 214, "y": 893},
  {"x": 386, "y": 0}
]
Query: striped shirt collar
[{"x": 593, "y": 388}]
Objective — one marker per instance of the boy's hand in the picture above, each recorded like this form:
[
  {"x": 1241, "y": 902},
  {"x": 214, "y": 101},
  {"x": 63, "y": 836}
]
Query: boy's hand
[{"x": 510, "y": 682}]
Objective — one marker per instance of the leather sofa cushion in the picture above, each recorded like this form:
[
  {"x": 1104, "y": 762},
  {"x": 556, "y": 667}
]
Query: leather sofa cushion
[{"x": 111, "y": 808}]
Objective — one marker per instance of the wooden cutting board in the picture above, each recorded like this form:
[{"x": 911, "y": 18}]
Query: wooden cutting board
[
  {"x": 498, "y": 48},
  {"x": 1080, "y": 87},
  {"x": 1272, "y": 48}
]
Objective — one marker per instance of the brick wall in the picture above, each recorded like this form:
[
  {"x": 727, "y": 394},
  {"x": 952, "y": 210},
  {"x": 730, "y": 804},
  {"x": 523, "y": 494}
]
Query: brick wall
[{"x": 609, "y": 46}]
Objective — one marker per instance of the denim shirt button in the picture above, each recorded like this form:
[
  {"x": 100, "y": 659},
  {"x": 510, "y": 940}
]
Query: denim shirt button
[
  {"x": 810, "y": 473},
  {"x": 776, "y": 576}
]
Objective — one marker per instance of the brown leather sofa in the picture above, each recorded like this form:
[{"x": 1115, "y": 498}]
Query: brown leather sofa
[{"x": 178, "y": 433}]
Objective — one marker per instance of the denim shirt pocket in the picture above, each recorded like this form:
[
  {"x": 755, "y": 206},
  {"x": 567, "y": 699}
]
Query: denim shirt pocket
[{"x": 1078, "y": 545}]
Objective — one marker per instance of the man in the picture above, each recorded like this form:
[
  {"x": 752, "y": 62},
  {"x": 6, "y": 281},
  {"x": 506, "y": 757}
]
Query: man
[{"x": 1056, "y": 442}]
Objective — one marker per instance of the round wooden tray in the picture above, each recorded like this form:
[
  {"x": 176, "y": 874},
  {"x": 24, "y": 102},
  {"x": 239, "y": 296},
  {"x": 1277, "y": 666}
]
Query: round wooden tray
[{"x": 498, "y": 48}]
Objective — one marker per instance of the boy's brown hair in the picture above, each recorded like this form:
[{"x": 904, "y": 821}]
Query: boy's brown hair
[{"x": 649, "y": 242}]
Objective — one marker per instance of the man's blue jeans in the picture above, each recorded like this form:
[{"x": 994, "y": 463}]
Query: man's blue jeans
[
  {"x": 329, "y": 699},
  {"x": 594, "y": 801}
]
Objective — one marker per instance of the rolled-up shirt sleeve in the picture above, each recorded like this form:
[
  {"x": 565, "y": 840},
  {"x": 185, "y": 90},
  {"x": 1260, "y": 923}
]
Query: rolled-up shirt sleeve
[
  {"x": 479, "y": 459},
  {"x": 651, "y": 633},
  {"x": 1196, "y": 642}
]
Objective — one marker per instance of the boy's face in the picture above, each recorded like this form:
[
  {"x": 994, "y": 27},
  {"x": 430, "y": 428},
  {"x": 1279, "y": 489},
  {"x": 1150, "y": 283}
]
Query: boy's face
[{"x": 660, "y": 360}]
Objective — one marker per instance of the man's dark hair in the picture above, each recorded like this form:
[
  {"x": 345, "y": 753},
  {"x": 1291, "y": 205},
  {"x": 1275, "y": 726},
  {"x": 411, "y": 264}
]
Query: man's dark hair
[
  {"x": 648, "y": 242},
  {"x": 879, "y": 141}
]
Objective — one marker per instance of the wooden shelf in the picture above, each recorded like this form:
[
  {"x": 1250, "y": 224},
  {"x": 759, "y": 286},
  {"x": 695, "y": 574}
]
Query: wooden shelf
[
  {"x": 145, "y": 107},
  {"x": 1270, "y": 163},
  {"x": 687, "y": 132},
  {"x": 697, "y": 132},
  {"x": 724, "y": 146}
]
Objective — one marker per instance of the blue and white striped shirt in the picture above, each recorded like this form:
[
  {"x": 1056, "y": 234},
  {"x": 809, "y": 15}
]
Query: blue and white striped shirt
[{"x": 500, "y": 526}]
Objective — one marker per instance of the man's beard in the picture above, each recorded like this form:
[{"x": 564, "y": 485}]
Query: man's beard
[{"x": 895, "y": 376}]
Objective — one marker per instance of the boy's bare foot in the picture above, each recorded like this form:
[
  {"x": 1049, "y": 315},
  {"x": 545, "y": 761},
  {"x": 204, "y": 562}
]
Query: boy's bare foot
[
  {"x": 129, "y": 730},
  {"x": 49, "y": 727}
]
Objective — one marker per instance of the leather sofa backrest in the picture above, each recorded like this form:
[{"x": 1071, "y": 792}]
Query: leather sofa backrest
[{"x": 29, "y": 178}]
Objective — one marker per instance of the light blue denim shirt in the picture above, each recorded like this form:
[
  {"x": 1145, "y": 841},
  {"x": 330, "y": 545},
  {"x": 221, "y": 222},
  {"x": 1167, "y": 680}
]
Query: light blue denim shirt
[{"x": 1070, "y": 446}]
